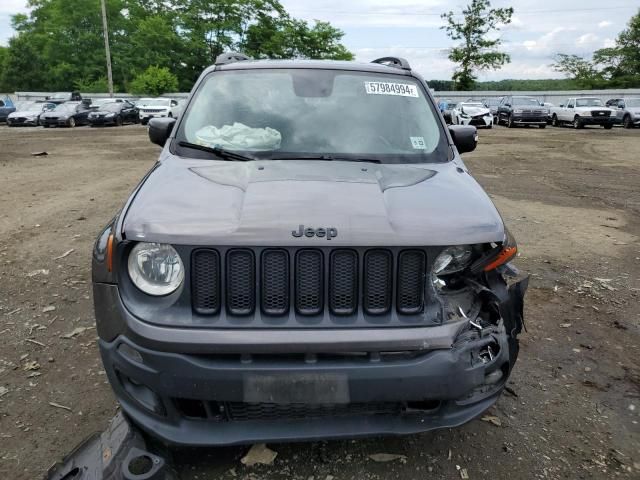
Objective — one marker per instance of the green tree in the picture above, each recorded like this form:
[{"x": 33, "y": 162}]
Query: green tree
[
  {"x": 579, "y": 69},
  {"x": 621, "y": 64},
  {"x": 154, "y": 81},
  {"x": 478, "y": 50},
  {"x": 291, "y": 38}
]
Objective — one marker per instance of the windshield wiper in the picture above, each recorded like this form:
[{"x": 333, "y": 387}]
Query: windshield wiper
[
  {"x": 218, "y": 151},
  {"x": 327, "y": 158}
]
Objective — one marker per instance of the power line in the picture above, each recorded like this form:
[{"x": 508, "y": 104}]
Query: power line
[{"x": 433, "y": 14}]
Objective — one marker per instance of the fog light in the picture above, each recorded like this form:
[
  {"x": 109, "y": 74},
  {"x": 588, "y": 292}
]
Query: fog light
[{"x": 142, "y": 394}]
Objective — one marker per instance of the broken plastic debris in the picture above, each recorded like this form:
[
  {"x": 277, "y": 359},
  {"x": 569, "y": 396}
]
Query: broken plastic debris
[
  {"x": 40, "y": 271},
  {"x": 39, "y": 154},
  {"x": 76, "y": 331},
  {"x": 57, "y": 405},
  {"x": 33, "y": 365},
  {"x": 492, "y": 419},
  {"x": 50, "y": 308},
  {"x": 387, "y": 457},
  {"x": 3, "y": 391},
  {"x": 259, "y": 454}
]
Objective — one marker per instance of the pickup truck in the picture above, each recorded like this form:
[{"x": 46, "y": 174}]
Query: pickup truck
[{"x": 582, "y": 111}]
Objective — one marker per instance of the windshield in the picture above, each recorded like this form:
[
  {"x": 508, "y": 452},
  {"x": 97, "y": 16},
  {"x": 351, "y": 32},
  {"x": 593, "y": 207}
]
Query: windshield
[
  {"x": 155, "y": 102},
  {"x": 60, "y": 96},
  {"x": 472, "y": 104},
  {"x": 526, "y": 101},
  {"x": 24, "y": 106},
  {"x": 632, "y": 102},
  {"x": 492, "y": 102},
  {"x": 66, "y": 107},
  {"x": 588, "y": 102},
  {"x": 302, "y": 113},
  {"x": 111, "y": 107}
]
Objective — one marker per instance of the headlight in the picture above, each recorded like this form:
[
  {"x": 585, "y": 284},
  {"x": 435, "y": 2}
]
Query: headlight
[
  {"x": 517, "y": 110},
  {"x": 155, "y": 268},
  {"x": 451, "y": 260},
  {"x": 109, "y": 115}
]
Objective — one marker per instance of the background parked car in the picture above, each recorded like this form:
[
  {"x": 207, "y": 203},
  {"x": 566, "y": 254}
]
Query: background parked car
[
  {"x": 520, "y": 110},
  {"x": 177, "y": 109},
  {"x": 68, "y": 114},
  {"x": 472, "y": 113},
  {"x": 61, "y": 97},
  {"x": 29, "y": 113},
  {"x": 155, "y": 107},
  {"x": 627, "y": 111},
  {"x": 583, "y": 111},
  {"x": 492, "y": 103},
  {"x": 6, "y": 107},
  {"x": 114, "y": 113}
]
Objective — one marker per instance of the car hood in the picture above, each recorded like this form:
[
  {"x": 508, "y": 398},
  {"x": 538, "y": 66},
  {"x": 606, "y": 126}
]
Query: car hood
[
  {"x": 473, "y": 111},
  {"x": 196, "y": 202},
  {"x": 634, "y": 110},
  {"x": 56, "y": 114},
  {"x": 588, "y": 109},
  {"x": 103, "y": 112},
  {"x": 24, "y": 113}
]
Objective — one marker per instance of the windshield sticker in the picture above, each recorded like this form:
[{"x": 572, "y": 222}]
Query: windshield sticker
[
  {"x": 418, "y": 143},
  {"x": 386, "y": 88}
]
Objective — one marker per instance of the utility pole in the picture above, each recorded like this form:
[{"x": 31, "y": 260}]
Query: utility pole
[{"x": 107, "y": 50}]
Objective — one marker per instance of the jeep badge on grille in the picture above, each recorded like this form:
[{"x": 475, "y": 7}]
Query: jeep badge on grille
[{"x": 328, "y": 232}]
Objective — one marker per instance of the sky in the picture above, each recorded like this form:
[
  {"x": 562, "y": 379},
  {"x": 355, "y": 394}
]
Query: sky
[{"x": 411, "y": 29}]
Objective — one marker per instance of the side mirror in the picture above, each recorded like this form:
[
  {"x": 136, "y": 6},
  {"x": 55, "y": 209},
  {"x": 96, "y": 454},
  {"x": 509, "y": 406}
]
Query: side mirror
[
  {"x": 160, "y": 129},
  {"x": 465, "y": 137},
  {"x": 621, "y": 105},
  {"x": 562, "y": 105}
]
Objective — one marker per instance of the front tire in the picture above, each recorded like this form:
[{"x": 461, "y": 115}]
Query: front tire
[
  {"x": 577, "y": 123},
  {"x": 542, "y": 126},
  {"x": 118, "y": 121},
  {"x": 608, "y": 126},
  {"x": 510, "y": 123},
  {"x": 627, "y": 122},
  {"x": 554, "y": 121},
  {"x": 72, "y": 122}
]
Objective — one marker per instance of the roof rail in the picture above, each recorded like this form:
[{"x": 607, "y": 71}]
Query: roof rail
[
  {"x": 230, "y": 57},
  {"x": 396, "y": 62}
]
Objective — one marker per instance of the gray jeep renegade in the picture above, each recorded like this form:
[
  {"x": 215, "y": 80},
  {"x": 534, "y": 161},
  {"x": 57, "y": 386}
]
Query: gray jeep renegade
[{"x": 309, "y": 258}]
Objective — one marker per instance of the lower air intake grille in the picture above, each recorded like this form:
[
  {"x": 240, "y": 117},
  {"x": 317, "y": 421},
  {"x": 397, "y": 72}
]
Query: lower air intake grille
[
  {"x": 241, "y": 282},
  {"x": 378, "y": 281},
  {"x": 205, "y": 278},
  {"x": 239, "y": 411},
  {"x": 309, "y": 282}
]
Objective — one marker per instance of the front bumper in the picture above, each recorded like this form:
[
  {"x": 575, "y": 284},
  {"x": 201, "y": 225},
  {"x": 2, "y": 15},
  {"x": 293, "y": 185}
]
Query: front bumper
[
  {"x": 102, "y": 121},
  {"x": 597, "y": 120},
  {"x": 484, "y": 121},
  {"x": 179, "y": 387},
  {"x": 55, "y": 123},
  {"x": 18, "y": 122},
  {"x": 529, "y": 119}
]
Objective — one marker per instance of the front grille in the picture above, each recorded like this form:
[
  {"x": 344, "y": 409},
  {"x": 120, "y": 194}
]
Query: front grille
[
  {"x": 275, "y": 282},
  {"x": 241, "y": 282},
  {"x": 309, "y": 282},
  {"x": 308, "y": 286},
  {"x": 378, "y": 282},
  {"x": 600, "y": 113},
  {"x": 411, "y": 280}
]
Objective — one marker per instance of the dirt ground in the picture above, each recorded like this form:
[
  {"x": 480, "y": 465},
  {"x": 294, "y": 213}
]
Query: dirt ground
[{"x": 572, "y": 199}]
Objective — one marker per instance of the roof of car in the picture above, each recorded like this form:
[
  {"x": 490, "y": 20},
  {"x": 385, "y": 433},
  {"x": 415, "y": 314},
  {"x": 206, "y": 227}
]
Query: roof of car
[{"x": 309, "y": 64}]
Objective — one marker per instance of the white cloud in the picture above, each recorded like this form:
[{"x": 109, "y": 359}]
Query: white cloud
[{"x": 605, "y": 24}]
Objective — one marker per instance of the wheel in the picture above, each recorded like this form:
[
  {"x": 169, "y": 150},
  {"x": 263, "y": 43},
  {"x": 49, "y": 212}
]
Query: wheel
[
  {"x": 118, "y": 121},
  {"x": 490, "y": 126},
  {"x": 72, "y": 122},
  {"x": 577, "y": 123},
  {"x": 554, "y": 121},
  {"x": 170, "y": 115},
  {"x": 627, "y": 122},
  {"x": 510, "y": 123},
  {"x": 542, "y": 126},
  {"x": 496, "y": 121},
  {"x": 608, "y": 126}
]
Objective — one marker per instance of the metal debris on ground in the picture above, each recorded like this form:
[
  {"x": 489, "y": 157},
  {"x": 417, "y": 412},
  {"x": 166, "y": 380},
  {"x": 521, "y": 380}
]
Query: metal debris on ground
[
  {"x": 57, "y": 405},
  {"x": 259, "y": 454},
  {"x": 65, "y": 254},
  {"x": 35, "y": 342}
]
